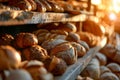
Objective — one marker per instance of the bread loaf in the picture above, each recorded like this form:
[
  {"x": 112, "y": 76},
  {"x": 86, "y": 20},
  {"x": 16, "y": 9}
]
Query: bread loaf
[
  {"x": 90, "y": 26},
  {"x": 37, "y": 70},
  {"x": 53, "y": 65},
  {"x": 34, "y": 52},
  {"x": 9, "y": 58},
  {"x": 23, "y": 40},
  {"x": 102, "y": 58},
  {"x": 108, "y": 76},
  {"x": 65, "y": 51},
  {"x": 92, "y": 70}
]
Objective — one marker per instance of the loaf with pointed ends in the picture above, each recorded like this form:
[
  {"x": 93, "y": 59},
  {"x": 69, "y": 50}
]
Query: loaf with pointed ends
[
  {"x": 65, "y": 51},
  {"x": 23, "y": 40},
  {"x": 9, "y": 58},
  {"x": 56, "y": 66},
  {"x": 34, "y": 52}
]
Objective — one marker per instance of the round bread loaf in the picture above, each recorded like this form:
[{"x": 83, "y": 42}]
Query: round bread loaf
[
  {"x": 114, "y": 67},
  {"x": 23, "y": 40},
  {"x": 81, "y": 51},
  {"x": 34, "y": 52},
  {"x": 53, "y": 65},
  {"x": 65, "y": 51},
  {"x": 9, "y": 58},
  {"x": 102, "y": 58}
]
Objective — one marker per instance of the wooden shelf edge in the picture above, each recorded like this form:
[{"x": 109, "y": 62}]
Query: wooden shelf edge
[{"x": 13, "y": 17}]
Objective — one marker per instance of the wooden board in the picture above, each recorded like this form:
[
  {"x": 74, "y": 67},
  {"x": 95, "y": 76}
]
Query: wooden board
[
  {"x": 13, "y": 17},
  {"x": 74, "y": 70}
]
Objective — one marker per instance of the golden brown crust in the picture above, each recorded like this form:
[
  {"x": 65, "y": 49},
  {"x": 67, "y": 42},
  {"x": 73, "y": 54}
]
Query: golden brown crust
[
  {"x": 40, "y": 6},
  {"x": 81, "y": 51},
  {"x": 9, "y": 58},
  {"x": 23, "y": 40},
  {"x": 94, "y": 28},
  {"x": 33, "y": 4},
  {"x": 22, "y": 4},
  {"x": 65, "y": 51},
  {"x": 53, "y": 64},
  {"x": 35, "y": 52},
  {"x": 51, "y": 43}
]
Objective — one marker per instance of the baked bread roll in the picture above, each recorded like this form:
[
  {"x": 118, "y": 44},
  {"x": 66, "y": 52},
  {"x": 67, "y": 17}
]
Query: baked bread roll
[
  {"x": 22, "y": 4},
  {"x": 47, "y": 5},
  {"x": 51, "y": 43},
  {"x": 65, "y": 51},
  {"x": 73, "y": 37},
  {"x": 114, "y": 67},
  {"x": 94, "y": 28},
  {"x": 53, "y": 65},
  {"x": 19, "y": 74},
  {"x": 89, "y": 38},
  {"x": 40, "y": 6},
  {"x": 81, "y": 51},
  {"x": 37, "y": 70},
  {"x": 102, "y": 58},
  {"x": 23, "y": 40},
  {"x": 42, "y": 35},
  {"x": 69, "y": 27},
  {"x": 84, "y": 44},
  {"x": 9, "y": 58},
  {"x": 6, "y": 39},
  {"x": 33, "y": 4},
  {"x": 92, "y": 70},
  {"x": 104, "y": 69},
  {"x": 108, "y": 76},
  {"x": 34, "y": 52}
]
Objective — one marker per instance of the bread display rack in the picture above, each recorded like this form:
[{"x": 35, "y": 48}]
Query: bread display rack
[{"x": 13, "y": 17}]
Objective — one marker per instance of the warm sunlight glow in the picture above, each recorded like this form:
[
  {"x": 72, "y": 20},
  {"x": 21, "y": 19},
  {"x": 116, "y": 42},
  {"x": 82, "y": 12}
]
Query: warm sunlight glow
[
  {"x": 116, "y": 5},
  {"x": 112, "y": 16},
  {"x": 96, "y": 2}
]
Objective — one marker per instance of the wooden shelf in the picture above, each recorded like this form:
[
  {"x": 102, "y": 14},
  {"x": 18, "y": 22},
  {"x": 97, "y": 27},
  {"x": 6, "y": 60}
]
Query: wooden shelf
[
  {"x": 74, "y": 70},
  {"x": 13, "y": 17}
]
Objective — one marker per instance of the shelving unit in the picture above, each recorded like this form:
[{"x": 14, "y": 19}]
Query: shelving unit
[{"x": 19, "y": 17}]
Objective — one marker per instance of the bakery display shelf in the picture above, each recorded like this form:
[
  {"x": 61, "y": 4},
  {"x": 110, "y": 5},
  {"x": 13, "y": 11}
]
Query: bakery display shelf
[
  {"x": 74, "y": 70},
  {"x": 14, "y": 17}
]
